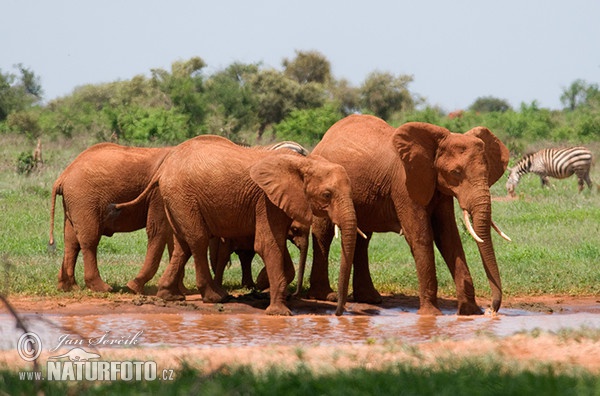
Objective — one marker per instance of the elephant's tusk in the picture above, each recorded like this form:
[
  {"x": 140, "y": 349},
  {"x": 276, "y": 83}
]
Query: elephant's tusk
[
  {"x": 336, "y": 231},
  {"x": 401, "y": 232},
  {"x": 470, "y": 226},
  {"x": 499, "y": 231},
  {"x": 362, "y": 234}
]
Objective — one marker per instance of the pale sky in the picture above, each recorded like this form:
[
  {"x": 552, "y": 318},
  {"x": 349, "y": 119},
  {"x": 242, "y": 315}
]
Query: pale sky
[{"x": 457, "y": 51}]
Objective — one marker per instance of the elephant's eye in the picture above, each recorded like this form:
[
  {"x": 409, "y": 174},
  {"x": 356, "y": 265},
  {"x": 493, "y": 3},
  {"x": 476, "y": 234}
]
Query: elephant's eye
[
  {"x": 326, "y": 195},
  {"x": 456, "y": 172}
]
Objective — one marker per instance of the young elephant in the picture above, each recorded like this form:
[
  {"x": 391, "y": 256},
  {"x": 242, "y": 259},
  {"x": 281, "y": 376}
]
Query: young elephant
[
  {"x": 221, "y": 249},
  {"x": 102, "y": 174},
  {"x": 213, "y": 188},
  {"x": 404, "y": 180}
]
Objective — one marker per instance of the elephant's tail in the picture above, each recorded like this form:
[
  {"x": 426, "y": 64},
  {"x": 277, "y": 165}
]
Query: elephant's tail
[
  {"x": 115, "y": 208},
  {"x": 57, "y": 189}
]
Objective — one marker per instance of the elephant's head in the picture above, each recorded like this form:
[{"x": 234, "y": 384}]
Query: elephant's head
[
  {"x": 307, "y": 186},
  {"x": 460, "y": 165}
]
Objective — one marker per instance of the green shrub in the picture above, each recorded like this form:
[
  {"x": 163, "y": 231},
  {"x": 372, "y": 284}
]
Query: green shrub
[{"x": 308, "y": 126}]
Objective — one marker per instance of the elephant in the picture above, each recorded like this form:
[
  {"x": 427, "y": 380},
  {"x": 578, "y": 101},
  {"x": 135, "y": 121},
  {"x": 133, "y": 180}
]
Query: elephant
[
  {"x": 212, "y": 187},
  {"x": 404, "y": 181},
  {"x": 105, "y": 173},
  {"x": 221, "y": 250},
  {"x": 102, "y": 174}
]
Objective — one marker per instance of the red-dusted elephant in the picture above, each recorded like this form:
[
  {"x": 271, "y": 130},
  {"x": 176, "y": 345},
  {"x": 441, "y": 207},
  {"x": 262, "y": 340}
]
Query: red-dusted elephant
[
  {"x": 405, "y": 180},
  {"x": 212, "y": 187}
]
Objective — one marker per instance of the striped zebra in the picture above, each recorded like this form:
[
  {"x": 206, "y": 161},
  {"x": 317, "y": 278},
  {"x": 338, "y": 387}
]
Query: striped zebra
[{"x": 557, "y": 163}]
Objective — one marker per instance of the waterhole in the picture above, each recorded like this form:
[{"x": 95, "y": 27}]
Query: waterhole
[{"x": 200, "y": 330}]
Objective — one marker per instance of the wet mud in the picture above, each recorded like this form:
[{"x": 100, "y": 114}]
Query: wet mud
[{"x": 149, "y": 322}]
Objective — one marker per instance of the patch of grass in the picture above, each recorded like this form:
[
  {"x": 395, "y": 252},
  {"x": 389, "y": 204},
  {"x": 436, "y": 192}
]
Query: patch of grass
[{"x": 478, "y": 376}]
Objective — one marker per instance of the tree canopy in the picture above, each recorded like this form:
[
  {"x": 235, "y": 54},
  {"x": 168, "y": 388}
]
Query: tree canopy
[{"x": 250, "y": 103}]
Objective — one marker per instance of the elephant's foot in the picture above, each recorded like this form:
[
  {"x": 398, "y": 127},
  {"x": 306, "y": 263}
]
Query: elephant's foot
[
  {"x": 368, "y": 296},
  {"x": 98, "y": 285},
  {"x": 469, "y": 308},
  {"x": 429, "y": 309},
  {"x": 170, "y": 295},
  {"x": 323, "y": 294},
  {"x": 210, "y": 295},
  {"x": 135, "y": 286},
  {"x": 249, "y": 284},
  {"x": 68, "y": 285},
  {"x": 278, "y": 309}
]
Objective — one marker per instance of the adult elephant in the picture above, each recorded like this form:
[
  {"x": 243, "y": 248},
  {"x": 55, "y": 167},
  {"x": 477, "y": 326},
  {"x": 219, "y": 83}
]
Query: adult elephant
[
  {"x": 221, "y": 249},
  {"x": 102, "y": 174},
  {"x": 404, "y": 180},
  {"x": 212, "y": 187}
]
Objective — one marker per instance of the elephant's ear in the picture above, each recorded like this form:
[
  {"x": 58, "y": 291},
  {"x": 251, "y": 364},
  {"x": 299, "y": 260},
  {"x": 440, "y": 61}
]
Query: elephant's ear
[
  {"x": 279, "y": 176},
  {"x": 496, "y": 153},
  {"x": 417, "y": 143}
]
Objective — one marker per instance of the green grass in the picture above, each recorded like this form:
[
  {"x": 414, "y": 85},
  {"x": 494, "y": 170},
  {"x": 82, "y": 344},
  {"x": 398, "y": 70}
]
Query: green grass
[
  {"x": 555, "y": 232},
  {"x": 479, "y": 376}
]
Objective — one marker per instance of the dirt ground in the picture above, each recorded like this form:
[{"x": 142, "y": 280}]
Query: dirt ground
[{"x": 523, "y": 350}]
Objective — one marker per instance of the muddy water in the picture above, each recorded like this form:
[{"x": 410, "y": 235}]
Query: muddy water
[{"x": 213, "y": 330}]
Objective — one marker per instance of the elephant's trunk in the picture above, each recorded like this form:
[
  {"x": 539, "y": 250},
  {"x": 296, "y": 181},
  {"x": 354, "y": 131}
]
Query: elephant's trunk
[
  {"x": 348, "y": 227},
  {"x": 482, "y": 221}
]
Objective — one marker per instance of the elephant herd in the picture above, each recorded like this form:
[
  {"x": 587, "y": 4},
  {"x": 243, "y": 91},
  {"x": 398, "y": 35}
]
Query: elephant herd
[{"x": 210, "y": 194}]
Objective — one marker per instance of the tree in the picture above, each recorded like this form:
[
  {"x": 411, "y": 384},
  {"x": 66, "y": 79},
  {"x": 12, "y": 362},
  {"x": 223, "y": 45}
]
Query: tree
[
  {"x": 307, "y": 67},
  {"x": 346, "y": 96},
  {"x": 579, "y": 93},
  {"x": 231, "y": 101},
  {"x": 184, "y": 86},
  {"x": 18, "y": 92},
  {"x": 384, "y": 94},
  {"x": 275, "y": 97},
  {"x": 489, "y": 104}
]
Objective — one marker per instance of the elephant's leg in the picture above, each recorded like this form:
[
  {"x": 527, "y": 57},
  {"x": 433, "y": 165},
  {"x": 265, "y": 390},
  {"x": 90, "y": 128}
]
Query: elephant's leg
[
  {"x": 210, "y": 291},
  {"x": 219, "y": 253},
  {"x": 262, "y": 281},
  {"x": 416, "y": 225},
  {"x": 157, "y": 240},
  {"x": 448, "y": 241},
  {"x": 66, "y": 275},
  {"x": 246, "y": 257},
  {"x": 288, "y": 266},
  {"x": 169, "y": 283},
  {"x": 270, "y": 243},
  {"x": 362, "y": 284},
  {"x": 322, "y": 230},
  {"x": 91, "y": 274},
  {"x": 274, "y": 264}
]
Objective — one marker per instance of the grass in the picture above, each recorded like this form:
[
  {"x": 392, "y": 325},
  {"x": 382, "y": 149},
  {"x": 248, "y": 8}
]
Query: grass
[{"x": 479, "y": 375}]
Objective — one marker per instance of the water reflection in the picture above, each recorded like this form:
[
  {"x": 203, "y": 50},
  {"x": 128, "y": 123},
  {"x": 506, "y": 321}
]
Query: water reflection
[{"x": 213, "y": 330}]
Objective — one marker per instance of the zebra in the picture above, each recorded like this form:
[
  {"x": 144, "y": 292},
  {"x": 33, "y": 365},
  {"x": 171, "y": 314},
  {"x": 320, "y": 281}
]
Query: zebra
[{"x": 557, "y": 163}]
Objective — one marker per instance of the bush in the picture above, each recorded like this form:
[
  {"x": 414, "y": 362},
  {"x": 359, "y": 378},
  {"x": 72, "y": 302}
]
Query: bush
[
  {"x": 307, "y": 127},
  {"x": 25, "y": 163}
]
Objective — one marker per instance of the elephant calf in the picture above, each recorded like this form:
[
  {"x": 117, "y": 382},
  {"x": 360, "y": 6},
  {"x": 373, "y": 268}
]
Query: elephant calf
[{"x": 102, "y": 174}]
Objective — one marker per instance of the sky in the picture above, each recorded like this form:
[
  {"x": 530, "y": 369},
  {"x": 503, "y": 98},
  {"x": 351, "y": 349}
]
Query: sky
[{"x": 456, "y": 51}]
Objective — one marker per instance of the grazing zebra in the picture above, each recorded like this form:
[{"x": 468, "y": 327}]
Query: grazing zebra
[{"x": 557, "y": 163}]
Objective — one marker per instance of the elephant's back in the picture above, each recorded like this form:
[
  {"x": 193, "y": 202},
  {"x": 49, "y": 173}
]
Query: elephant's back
[
  {"x": 364, "y": 134},
  {"x": 110, "y": 172},
  {"x": 356, "y": 140}
]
